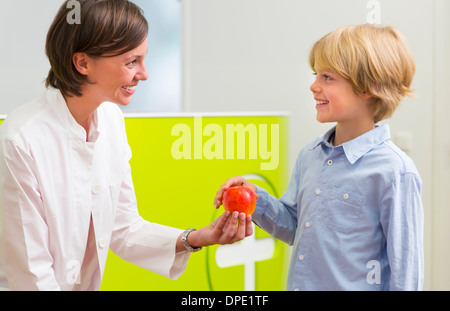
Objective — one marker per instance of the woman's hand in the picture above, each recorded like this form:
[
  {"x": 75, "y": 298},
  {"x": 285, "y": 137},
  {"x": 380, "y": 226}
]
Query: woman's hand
[
  {"x": 226, "y": 229},
  {"x": 232, "y": 182}
]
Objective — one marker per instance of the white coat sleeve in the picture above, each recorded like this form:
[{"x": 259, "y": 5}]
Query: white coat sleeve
[
  {"x": 24, "y": 249},
  {"x": 148, "y": 245}
]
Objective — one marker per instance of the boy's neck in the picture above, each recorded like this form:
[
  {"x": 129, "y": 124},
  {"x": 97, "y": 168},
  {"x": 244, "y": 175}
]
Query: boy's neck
[{"x": 346, "y": 132}]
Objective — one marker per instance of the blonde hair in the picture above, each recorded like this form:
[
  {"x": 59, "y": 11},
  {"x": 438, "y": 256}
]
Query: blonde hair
[{"x": 376, "y": 60}]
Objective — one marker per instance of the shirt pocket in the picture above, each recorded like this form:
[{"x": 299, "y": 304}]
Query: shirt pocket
[{"x": 342, "y": 211}]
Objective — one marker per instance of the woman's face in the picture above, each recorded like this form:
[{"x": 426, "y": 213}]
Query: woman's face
[{"x": 115, "y": 78}]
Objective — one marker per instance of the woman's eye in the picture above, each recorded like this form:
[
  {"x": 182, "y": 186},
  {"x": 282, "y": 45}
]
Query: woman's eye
[
  {"x": 327, "y": 77},
  {"x": 132, "y": 63}
]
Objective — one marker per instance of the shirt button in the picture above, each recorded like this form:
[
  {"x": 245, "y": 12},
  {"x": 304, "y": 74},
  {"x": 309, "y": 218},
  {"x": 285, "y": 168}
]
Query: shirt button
[
  {"x": 301, "y": 257},
  {"x": 330, "y": 162},
  {"x": 307, "y": 224},
  {"x": 346, "y": 196},
  {"x": 95, "y": 189},
  {"x": 101, "y": 243},
  {"x": 317, "y": 191}
]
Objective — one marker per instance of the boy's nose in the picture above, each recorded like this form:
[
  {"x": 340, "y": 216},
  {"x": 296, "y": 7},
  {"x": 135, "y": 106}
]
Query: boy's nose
[{"x": 315, "y": 87}]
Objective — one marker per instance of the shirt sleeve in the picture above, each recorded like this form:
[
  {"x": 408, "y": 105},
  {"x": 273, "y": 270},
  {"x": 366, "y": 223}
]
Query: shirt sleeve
[
  {"x": 279, "y": 216},
  {"x": 402, "y": 222},
  {"x": 149, "y": 245},
  {"x": 24, "y": 248}
]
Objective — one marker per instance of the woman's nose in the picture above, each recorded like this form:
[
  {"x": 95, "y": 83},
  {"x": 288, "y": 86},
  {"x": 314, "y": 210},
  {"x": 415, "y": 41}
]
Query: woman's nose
[{"x": 142, "y": 74}]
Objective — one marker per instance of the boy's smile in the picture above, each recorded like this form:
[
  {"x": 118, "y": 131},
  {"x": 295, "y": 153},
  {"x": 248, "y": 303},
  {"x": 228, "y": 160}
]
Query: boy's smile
[{"x": 320, "y": 103}]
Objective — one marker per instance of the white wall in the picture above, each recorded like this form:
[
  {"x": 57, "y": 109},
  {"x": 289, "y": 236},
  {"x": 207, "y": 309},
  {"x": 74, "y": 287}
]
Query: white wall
[
  {"x": 242, "y": 55},
  {"x": 440, "y": 258},
  {"x": 23, "y": 63}
]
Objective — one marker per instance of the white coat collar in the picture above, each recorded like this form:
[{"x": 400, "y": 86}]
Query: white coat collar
[{"x": 59, "y": 106}]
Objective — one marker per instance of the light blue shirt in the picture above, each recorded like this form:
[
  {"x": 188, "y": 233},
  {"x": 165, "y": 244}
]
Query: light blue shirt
[{"x": 353, "y": 214}]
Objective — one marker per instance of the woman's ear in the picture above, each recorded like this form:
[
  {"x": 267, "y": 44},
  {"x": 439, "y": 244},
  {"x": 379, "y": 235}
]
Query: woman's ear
[{"x": 80, "y": 62}]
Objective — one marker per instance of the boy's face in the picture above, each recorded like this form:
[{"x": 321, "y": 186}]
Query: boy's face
[{"x": 337, "y": 102}]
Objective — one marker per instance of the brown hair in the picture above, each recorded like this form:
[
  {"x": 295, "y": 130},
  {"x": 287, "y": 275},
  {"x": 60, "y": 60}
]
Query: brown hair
[
  {"x": 107, "y": 28},
  {"x": 376, "y": 60}
]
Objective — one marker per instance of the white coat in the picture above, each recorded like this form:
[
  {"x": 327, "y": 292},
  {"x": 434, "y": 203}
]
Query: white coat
[{"x": 53, "y": 182}]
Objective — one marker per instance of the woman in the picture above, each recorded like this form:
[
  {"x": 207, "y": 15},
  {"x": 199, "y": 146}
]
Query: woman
[{"x": 66, "y": 189}]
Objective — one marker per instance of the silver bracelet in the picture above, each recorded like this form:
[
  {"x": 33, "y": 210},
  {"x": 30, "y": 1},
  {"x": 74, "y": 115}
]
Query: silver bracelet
[{"x": 186, "y": 243}]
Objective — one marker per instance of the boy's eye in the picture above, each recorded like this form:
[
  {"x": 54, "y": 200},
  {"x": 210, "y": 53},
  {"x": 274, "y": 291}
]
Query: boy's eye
[{"x": 325, "y": 76}]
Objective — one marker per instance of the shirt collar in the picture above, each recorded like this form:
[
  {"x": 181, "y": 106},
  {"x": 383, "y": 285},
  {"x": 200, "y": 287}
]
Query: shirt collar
[
  {"x": 358, "y": 147},
  {"x": 59, "y": 106}
]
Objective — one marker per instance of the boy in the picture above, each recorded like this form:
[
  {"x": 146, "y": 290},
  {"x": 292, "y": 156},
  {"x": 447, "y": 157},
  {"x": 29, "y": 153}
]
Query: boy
[{"x": 353, "y": 209}]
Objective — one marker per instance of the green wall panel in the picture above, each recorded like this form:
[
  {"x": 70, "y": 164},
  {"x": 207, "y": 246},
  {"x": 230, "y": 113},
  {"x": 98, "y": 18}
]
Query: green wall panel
[{"x": 178, "y": 164}]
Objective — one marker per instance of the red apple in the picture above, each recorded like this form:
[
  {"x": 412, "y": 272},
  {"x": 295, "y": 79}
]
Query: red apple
[{"x": 241, "y": 199}]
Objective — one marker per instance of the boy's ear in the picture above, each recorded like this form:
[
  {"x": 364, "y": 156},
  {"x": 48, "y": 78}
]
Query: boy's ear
[
  {"x": 80, "y": 62},
  {"x": 366, "y": 95}
]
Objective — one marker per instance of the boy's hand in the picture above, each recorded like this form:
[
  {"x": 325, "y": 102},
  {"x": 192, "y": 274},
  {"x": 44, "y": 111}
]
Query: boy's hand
[{"x": 232, "y": 182}]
